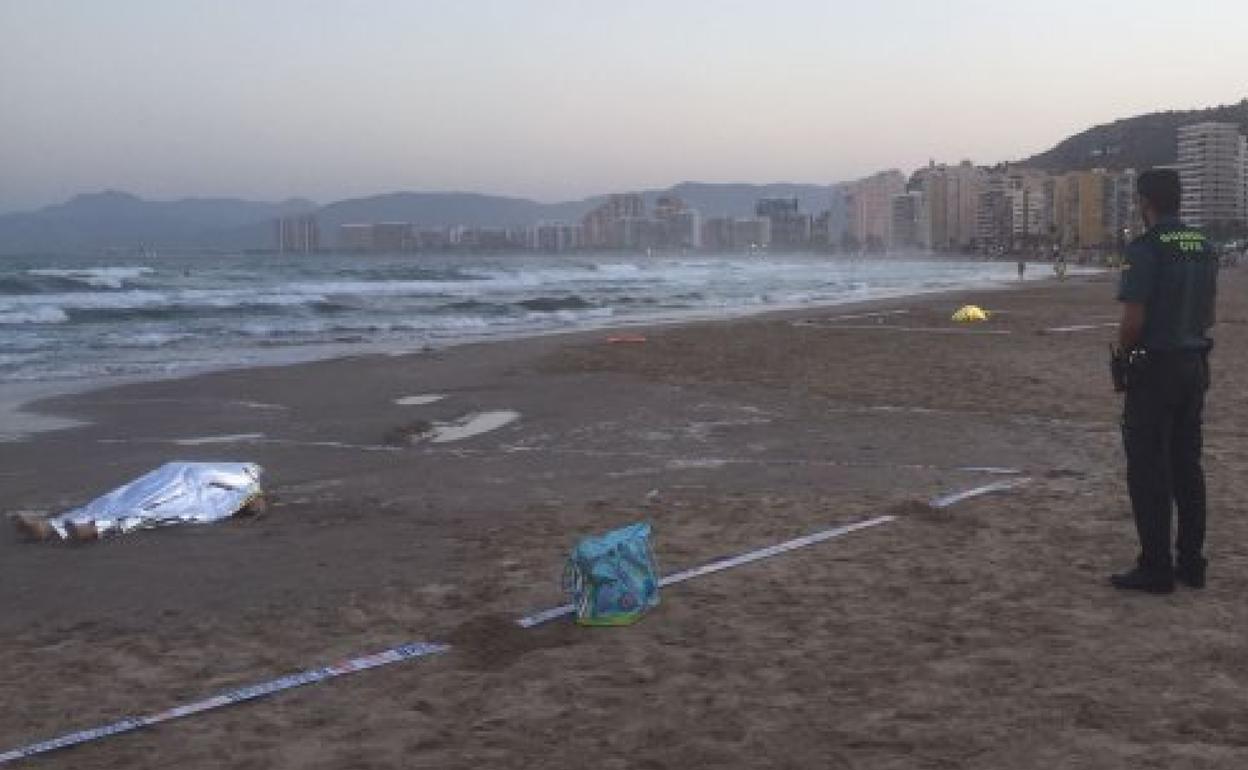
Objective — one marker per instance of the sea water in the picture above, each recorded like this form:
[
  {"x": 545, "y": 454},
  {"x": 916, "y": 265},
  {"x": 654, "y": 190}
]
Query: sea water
[{"x": 66, "y": 319}]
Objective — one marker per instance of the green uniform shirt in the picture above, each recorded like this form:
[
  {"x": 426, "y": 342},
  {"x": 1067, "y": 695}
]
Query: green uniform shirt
[{"x": 1173, "y": 271}]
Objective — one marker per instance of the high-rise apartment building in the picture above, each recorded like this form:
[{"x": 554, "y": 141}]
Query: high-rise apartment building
[
  {"x": 717, "y": 233},
  {"x": 951, "y": 205},
  {"x": 297, "y": 235},
  {"x": 993, "y": 215},
  {"x": 1212, "y": 161},
  {"x": 790, "y": 228},
  {"x": 749, "y": 234},
  {"x": 905, "y": 231},
  {"x": 676, "y": 225},
  {"x": 729, "y": 234},
  {"x": 869, "y": 207},
  {"x": 1026, "y": 199},
  {"x": 393, "y": 237},
  {"x": 554, "y": 237},
  {"x": 1125, "y": 221},
  {"x": 355, "y": 237},
  {"x": 613, "y": 225}
]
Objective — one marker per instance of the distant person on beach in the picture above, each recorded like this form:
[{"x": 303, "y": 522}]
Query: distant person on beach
[{"x": 1167, "y": 289}]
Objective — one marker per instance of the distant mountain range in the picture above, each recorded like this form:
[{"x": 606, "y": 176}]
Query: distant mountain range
[
  {"x": 114, "y": 219},
  {"x": 117, "y": 220},
  {"x": 1139, "y": 142}
]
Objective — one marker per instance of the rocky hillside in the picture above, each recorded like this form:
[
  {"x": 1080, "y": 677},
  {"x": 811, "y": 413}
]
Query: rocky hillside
[{"x": 1138, "y": 142}]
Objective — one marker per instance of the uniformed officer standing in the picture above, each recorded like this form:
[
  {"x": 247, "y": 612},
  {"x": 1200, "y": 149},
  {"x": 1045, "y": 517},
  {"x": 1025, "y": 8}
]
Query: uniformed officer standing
[{"x": 1167, "y": 290}]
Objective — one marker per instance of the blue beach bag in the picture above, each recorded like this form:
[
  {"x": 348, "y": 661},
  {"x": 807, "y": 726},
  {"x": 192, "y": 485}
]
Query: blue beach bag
[{"x": 612, "y": 578}]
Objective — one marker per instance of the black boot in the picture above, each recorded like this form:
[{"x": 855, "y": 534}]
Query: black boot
[
  {"x": 1191, "y": 572},
  {"x": 1151, "y": 581}
]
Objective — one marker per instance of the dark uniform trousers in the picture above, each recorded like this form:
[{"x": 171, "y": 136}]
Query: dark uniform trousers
[{"x": 1161, "y": 429}]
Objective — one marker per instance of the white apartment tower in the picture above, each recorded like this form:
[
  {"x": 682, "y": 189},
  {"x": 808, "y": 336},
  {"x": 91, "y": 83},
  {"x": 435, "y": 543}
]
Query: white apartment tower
[{"x": 1213, "y": 158}]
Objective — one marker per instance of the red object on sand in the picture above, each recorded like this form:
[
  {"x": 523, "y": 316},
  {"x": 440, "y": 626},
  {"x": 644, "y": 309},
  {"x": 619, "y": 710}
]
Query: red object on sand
[{"x": 634, "y": 338}]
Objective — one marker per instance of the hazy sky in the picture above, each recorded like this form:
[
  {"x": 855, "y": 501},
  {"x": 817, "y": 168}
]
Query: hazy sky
[{"x": 556, "y": 99}]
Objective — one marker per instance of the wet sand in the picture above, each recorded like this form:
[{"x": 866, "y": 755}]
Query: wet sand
[{"x": 976, "y": 636}]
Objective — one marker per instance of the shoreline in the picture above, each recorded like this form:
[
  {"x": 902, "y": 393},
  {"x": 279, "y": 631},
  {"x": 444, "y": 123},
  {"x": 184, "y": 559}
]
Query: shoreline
[{"x": 21, "y": 402}]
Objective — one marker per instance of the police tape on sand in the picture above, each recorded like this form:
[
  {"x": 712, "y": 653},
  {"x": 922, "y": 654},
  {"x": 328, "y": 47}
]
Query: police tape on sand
[
  {"x": 251, "y": 692},
  {"x": 425, "y": 649}
]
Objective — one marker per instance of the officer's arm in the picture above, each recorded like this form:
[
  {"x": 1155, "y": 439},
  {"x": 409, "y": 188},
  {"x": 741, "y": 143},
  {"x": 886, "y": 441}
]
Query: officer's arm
[
  {"x": 1135, "y": 287},
  {"x": 1131, "y": 327}
]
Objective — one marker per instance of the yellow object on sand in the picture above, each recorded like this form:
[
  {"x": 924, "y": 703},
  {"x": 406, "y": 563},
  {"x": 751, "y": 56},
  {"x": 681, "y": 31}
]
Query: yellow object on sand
[{"x": 970, "y": 314}]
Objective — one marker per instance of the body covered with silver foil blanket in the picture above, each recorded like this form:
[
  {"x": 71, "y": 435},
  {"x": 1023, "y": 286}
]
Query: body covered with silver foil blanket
[{"x": 174, "y": 493}]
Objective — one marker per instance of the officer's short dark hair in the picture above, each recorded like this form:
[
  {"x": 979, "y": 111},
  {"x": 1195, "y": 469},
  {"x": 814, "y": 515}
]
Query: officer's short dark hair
[{"x": 1161, "y": 188}]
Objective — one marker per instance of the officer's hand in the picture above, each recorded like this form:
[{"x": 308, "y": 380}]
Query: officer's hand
[{"x": 1118, "y": 368}]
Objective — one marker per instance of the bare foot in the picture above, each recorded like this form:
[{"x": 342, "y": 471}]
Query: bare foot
[
  {"x": 256, "y": 506},
  {"x": 34, "y": 527}
]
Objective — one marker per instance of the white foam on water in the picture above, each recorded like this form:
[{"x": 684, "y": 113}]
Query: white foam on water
[
  {"x": 41, "y": 314},
  {"x": 472, "y": 425},
  {"x": 421, "y": 400},
  {"x": 97, "y": 277}
]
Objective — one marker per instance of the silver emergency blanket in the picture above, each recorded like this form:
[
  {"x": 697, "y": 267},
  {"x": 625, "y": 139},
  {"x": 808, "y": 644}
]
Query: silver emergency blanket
[{"x": 174, "y": 493}]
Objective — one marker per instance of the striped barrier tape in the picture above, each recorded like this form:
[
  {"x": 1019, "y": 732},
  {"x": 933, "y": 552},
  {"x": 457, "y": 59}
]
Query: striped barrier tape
[
  {"x": 425, "y": 649},
  {"x": 944, "y": 501},
  {"x": 546, "y": 616},
  {"x": 242, "y": 694}
]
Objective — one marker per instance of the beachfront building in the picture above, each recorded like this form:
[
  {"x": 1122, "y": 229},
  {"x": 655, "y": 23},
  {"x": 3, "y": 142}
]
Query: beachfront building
[
  {"x": 951, "y": 205},
  {"x": 869, "y": 209},
  {"x": 749, "y": 234},
  {"x": 1212, "y": 161},
  {"x": 433, "y": 238},
  {"x": 993, "y": 221},
  {"x": 676, "y": 226},
  {"x": 732, "y": 234},
  {"x": 824, "y": 232},
  {"x": 1093, "y": 195},
  {"x": 1125, "y": 221},
  {"x": 487, "y": 238},
  {"x": 717, "y": 234},
  {"x": 905, "y": 230},
  {"x": 1026, "y": 196},
  {"x": 554, "y": 237},
  {"x": 684, "y": 230},
  {"x": 789, "y": 227},
  {"x": 1092, "y": 210},
  {"x": 297, "y": 235},
  {"x": 355, "y": 237},
  {"x": 392, "y": 237},
  {"x": 615, "y": 223}
]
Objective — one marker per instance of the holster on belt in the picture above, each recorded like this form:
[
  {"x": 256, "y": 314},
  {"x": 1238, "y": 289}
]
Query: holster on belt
[{"x": 1126, "y": 367}]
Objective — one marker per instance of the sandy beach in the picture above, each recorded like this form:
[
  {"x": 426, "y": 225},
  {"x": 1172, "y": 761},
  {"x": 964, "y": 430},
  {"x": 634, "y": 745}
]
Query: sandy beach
[{"x": 982, "y": 635}]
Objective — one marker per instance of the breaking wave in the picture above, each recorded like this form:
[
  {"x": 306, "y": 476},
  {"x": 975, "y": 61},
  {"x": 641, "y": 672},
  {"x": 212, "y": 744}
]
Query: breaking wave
[
  {"x": 73, "y": 318},
  {"x": 91, "y": 277},
  {"x": 34, "y": 315}
]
